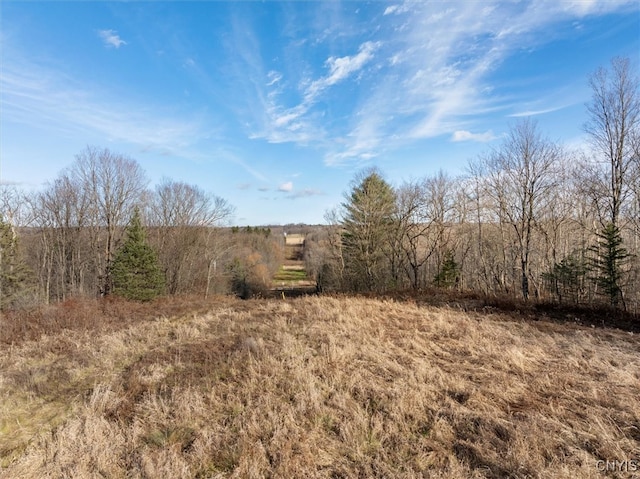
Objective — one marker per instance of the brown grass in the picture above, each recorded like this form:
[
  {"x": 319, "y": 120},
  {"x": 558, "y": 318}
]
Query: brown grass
[
  {"x": 95, "y": 316},
  {"x": 320, "y": 387}
]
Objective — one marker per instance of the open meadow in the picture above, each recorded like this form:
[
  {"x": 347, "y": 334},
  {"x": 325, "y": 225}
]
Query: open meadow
[{"x": 314, "y": 387}]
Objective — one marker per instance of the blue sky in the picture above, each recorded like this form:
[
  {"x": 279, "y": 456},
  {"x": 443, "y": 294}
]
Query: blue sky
[{"x": 275, "y": 106}]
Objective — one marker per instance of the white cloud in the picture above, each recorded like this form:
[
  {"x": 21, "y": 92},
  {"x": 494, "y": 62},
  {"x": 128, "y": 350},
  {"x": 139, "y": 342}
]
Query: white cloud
[
  {"x": 111, "y": 38},
  {"x": 341, "y": 68},
  {"x": 274, "y": 77},
  {"x": 431, "y": 89},
  {"x": 286, "y": 187},
  {"x": 390, "y": 9},
  {"x": 287, "y": 117},
  {"x": 536, "y": 112},
  {"x": 463, "y": 135},
  {"x": 365, "y": 141},
  {"x": 397, "y": 9},
  {"x": 293, "y": 124}
]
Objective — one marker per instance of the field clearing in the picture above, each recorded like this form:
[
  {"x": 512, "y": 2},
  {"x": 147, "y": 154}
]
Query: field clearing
[
  {"x": 295, "y": 239},
  {"x": 290, "y": 273},
  {"x": 322, "y": 387},
  {"x": 291, "y": 279}
]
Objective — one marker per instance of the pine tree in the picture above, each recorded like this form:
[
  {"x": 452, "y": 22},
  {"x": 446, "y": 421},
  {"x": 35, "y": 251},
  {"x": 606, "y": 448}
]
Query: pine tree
[
  {"x": 135, "y": 270},
  {"x": 567, "y": 278},
  {"x": 608, "y": 258},
  {"x": 449, "y": 271},
  {"x": 367, "y": 223}
]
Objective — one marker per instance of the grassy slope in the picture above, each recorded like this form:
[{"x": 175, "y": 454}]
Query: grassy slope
[{"x": 321, "y": 387}]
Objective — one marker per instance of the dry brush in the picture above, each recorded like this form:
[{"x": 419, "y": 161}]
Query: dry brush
[{"x": 321, "y": 387}]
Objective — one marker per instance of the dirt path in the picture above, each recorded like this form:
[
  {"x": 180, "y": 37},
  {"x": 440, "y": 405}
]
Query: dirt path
[{"x": 292, "y": 279}]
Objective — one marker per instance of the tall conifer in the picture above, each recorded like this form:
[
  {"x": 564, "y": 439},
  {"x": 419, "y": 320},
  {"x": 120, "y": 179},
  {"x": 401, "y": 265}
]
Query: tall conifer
[
  {"x": 609, "y": 256},
  {"x": 135, "y": 270}
]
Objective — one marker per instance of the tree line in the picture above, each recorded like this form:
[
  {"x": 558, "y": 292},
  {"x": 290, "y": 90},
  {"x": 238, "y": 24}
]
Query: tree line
[
  {"x": 529, "y": 217},
  {"x": 68, "y": 240}
]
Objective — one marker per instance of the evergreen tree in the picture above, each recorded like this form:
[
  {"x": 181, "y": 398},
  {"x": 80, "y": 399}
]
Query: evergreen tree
[
  {"x": 567, "y": 278},
  {"x": 368, "y": 225},
  {"x": 135, "y": 271},
  {"x": 449, "y": 271},
  {"x": 15, "y": 276},
  {"x": 608, "y": 258}
]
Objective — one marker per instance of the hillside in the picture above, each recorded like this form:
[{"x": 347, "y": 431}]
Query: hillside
[{"x": 321, "y": 387}]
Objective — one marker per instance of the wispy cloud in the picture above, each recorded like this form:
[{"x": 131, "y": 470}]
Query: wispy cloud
[
  {"x": 463, "y": 135},
  {"x": 189, "y": 63},
  {"x": 42, "y": 97},
  {"x": 536, "y": 112},
  {"x": 438, "y": 79},
  {"x": 283, "y": 124},
  {"x": 111, "y": 39},
  {"x": 365, "y": 140},
  {"x": 391, "y": 9},
  {"x": 410, "y": 72},
  {"x": 274, "y": 77},
  {"x": 340, "y": 69},
  {"x": 46, "y": 99},
  {"x": 396, "y": 9},
  {"x": 305, "y": 193}
]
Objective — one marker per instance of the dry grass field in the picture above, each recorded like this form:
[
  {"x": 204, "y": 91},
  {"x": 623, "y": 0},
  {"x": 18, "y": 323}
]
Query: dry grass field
[{"x": 317, "y": 387}]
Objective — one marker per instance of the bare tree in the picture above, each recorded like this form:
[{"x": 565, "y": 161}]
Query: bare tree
[
  {"x": 634, "y": 207},
  {"x": 521, "y": 176},
  {"x": 11, "y": 215},
  {"x": 186, "y": 217},
  {"x": 62, "y": 210},
  {"x": 476, "y": 188},
  {"x": 15, "y": 205},
  {"x": 614, "y": 120},
  {"x": 180, "y": 204},
  {"x": 411, "y": 230},
  {"x": 423, "y": 210},
  {"x": 324, "y": 255},
  {"x": 115, "y": 184},
  {"x": 463, "y": 230},
  {"x": 613, "y": 127}
]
